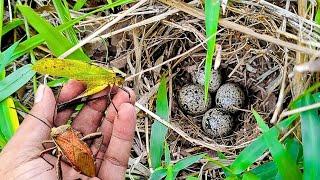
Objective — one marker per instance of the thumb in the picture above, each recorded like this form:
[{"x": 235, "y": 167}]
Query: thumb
[{"x": 34, "y": 128}]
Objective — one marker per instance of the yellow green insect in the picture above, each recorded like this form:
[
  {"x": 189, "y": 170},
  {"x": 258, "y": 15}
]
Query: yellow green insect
[{"x": 95, "y": 77}]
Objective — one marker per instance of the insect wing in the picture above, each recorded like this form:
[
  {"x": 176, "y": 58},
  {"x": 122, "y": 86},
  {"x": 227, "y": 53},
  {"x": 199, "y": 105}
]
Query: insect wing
[{"x": 72, "y": 147}]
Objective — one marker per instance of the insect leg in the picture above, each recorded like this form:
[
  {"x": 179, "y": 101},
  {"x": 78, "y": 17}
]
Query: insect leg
[
  {"x": 46, "y": 150},
  {"x": 46, "y": 142},
  {"x": 58, "y": 167},
  {"x": 91, "y": 136},
  {"x": 126, "y": 92},
  {"x": 110, "y": 99}
]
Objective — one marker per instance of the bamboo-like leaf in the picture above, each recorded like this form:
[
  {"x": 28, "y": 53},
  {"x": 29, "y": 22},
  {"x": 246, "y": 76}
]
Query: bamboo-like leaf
[
  {"x": 56, "y": 42},
  {"x": 158, "y": 130},
  {"x": 186, "y": 162},
  {"x": 64, "y": 16},
  {"x": 267, "y": 170},
  {"x": 8, "y": 117},
  {"x": 287, "y": 167},
  {"x": 159, "y": 173},
  {"x": 170, "y": 173},
  {"x": 252, "y": 152},
  {"x": 167, "y": 158},
  {"x": 212, "y": 11},
  {"x": 25, "y": 46},
  {"x": 11, "y": 25},
  {"x": 5, "y": 57},
  {"x": 9, "y": 123},
  {"x": 79, "y": 4},
  {"x": 250, "y": 176},
  {"x": 310, "y": 128},
  {"x": 15, "y": 81}
]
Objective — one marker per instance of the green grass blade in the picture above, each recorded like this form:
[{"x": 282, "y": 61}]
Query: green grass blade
[
  {"x": 79, "y": 4},
  {"x": 250, "y": 176},
  {"x": 11, "y": 25},
  {"x": 64, "y": 16},
  {"x": 9, "y": 123},
  {"x": 158, "y": 174},
  {"x": 252, "y": 152},
  {"x": 317, "y": 17},
  {"x": 186, "y": 162},
  {"x": 212, "y": 11},
  {"x": 170, "y": 173},
  {"x": 8, "y": 117},
  {"x": 25, "y": 46},
  {"x": 267, "y": 170},
  {"x": 15, "y": 81},
  {"x": 167, "y": 158},
  {"x": 310, "y": 128},
  {"x": 192, "y": 178},
  {"x": 158, "y": 130},
  {"x": 287, "y": 167},
  {"x": 5, "y": 57},
  {"x": 56, "y": 42}
]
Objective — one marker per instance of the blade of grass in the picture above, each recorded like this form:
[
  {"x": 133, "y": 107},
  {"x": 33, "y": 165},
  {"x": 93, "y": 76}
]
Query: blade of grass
[
  {"x": 15, "y": 81},
  {"x": 25, "y": 46},
  {"x": 167, "y": 158},
  {"x": 5, "y": 57},
  {"x": 79, "y": 4},
  {"x": 212, "y": 11},
  {"x": 56, "y": 42},
  {"x": 64, "y": 16},
  {"x": 267, "y": 170},
  {"x": 33, "y": 42},
  {"x": 170, "y": 172},
  {"x": 186, "y": 162},
  {"x": 11, "y": 25},
  {"x": 310, "y": 129},
  {"x": 250, "y": 176},
  {"x": 158, "y": 130},
  {"x": 287, "y": 168},
  {"x": 159, "y": 173},
  {"x": 252, "y": 152},
  {"x": 8, "y": 117}
]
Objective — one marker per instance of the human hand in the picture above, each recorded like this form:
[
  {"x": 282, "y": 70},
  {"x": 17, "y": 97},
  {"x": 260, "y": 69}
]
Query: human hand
[{"x": 20, "y": 159}]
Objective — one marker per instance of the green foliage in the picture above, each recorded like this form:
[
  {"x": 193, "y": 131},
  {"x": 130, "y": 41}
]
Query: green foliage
[
  {"x": 158, "y": 130},
  {"x": 15, "y": 81},
  {"x": 158, "y": 145},
  {"x": 79, "y": 4},
  {"x": 256, "y": 149},
  {"x": 56, "y": 42},
  {"x": 310, "y": 128},
  {"x": 11, "y": 25},
  {"x": 64, "y": 16},
  {"x": 287, "y": 167},
  {"x": 8, "y": 117},
  {"x": 212, "y": 11}
]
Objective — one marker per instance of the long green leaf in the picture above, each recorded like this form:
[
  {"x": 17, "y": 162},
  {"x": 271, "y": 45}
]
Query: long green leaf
[
  {"x": 15, "y": 81},
  {"x": 212, "y": 11},
  {"x": 186, "y": 162},
  {"x": 158, "y": 130},
  {"x": 250, "y": 176},
  {"x": 252, "y": 152},
  {"x": 159, "y": 173},
  {"x": 25, "y": 46},
  {"x": 56, "y": 42},
  {"x": 287, "y": 167},
  {"x": 5, "y": 57},
  {"x": 79, "y": 4},
  {"x": 8, "y": 117},
  {"x": 267, "y": 170},
  {"x": 64, "y": 16},
  {"x": 8, "y": 123},
  {"x": 11, "y": 25},
  {"x": 310, "y": 128}
]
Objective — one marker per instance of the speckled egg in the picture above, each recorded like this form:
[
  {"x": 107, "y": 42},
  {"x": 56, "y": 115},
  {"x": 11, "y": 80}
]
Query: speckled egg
[
  {"x": 216, "y": 122},
  {"x": 191, "y": 100},
  {"x": 215, "y": 83},
  {"x": 230, "y": 95}
]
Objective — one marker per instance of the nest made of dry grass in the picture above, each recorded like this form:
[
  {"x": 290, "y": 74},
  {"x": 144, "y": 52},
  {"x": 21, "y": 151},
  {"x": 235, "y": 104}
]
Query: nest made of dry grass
[{"x": 156, "y": 33}]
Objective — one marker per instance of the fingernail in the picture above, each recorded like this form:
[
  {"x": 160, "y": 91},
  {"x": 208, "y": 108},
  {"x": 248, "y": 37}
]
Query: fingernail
[{"x": 39, "y": 95}]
